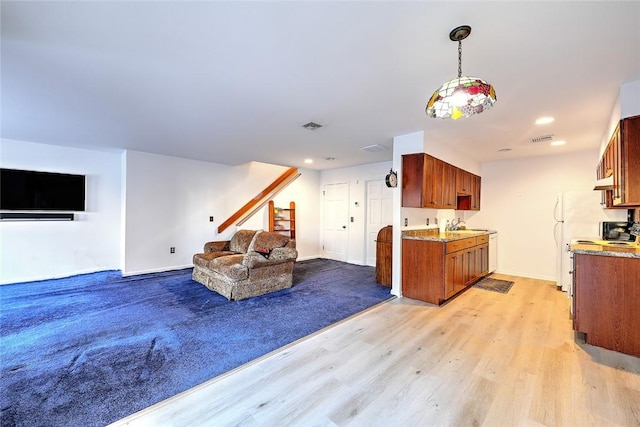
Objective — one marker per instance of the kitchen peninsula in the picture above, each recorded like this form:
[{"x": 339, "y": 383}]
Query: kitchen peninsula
[
  {"x": 439, "y": 265},
  {"x": 606, "y": 297}
]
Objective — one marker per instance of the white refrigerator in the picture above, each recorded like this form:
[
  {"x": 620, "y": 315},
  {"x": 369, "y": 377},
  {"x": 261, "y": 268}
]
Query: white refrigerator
[{"x": 578, "y": 215}]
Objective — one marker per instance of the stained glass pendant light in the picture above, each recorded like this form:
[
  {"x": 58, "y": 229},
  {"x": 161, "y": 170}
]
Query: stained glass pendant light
[{"x": 463, "y": 96}]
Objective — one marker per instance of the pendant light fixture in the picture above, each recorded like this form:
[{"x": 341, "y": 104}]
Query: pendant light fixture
[{"x": 463, "y": 96}]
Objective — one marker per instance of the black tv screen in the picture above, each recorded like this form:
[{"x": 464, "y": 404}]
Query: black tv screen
[{"x": 22, "y": 190}]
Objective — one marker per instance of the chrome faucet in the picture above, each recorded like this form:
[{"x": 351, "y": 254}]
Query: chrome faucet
[{"x": 455, "y": 225}]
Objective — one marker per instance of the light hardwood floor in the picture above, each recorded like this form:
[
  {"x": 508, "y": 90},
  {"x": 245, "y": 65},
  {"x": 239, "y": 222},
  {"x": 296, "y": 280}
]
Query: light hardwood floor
[{"x": 484, "y": 359}]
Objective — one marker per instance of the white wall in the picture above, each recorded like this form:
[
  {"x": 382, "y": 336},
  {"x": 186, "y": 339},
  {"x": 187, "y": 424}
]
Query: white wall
[
  {"x": 630, "y": 99},
  {"x": 138, "y": 206},
  {"x": 627, "y": 104},
  {"x": 356, "y": 177},
  {"x": 305, "y": 192},
  {"x": 518, "y": 198},
  {"x": 35, "y": 250},
  {"x": 169, "y": 201}
]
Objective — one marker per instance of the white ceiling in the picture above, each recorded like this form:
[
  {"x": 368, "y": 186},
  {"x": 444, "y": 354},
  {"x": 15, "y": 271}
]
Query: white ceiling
[{"x": 231, "y": 82}]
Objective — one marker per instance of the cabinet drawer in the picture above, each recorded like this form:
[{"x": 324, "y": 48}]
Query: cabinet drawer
[
  {"x": 483, "y": 239},
  {"x": 458, "y": 245}
]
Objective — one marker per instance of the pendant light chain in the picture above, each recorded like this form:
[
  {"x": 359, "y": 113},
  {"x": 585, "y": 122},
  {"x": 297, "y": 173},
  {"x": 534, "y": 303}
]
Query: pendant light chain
[{"x": 459, "y": 58}]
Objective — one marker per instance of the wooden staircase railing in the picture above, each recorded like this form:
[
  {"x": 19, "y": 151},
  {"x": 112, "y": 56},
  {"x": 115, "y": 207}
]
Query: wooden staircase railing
[{"x": 245, "y": 212}]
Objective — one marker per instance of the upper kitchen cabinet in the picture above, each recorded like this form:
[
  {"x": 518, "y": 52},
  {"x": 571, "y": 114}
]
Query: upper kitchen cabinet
[
  {"x": 463, "y": 182},
  {"x": 622, "y": 160},
  {"x": 476, "y": 183},
  {"x": 428, "y": 182},
  {"x": 417, "y": 180}
]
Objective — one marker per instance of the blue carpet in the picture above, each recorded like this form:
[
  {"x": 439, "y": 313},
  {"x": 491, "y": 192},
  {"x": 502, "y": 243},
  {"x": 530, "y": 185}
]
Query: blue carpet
[{"x": 91, "y": 349}]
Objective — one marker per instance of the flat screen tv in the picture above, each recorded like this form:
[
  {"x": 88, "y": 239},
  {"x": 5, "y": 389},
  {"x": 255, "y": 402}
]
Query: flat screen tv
[{"x": 22, "y": 190}]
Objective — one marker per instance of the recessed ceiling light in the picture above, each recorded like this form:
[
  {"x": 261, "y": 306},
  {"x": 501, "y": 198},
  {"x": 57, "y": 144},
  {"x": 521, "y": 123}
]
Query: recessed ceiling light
[
  {"x": 308, "y": 161},
  {"x": 544, "y": 120},
  {"x": 556, "y": 143},
  {"x": 503, "y": 150}
]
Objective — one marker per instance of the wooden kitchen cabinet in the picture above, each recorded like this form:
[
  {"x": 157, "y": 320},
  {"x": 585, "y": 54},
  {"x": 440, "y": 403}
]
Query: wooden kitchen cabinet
[
  {"x": 449, "y": 197},
  {"x": 463, "y": 182},
  {"x": 606, "y": 299},
  {"x": 476, "y": 182},
  {"x": 428, "y": 182},
  {"x": 417, "y": 180},
  {"x": 434, "y": 271},
  {"x": 621, "y": 159}
]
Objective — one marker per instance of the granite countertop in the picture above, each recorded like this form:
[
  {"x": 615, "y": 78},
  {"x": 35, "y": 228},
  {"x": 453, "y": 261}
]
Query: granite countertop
[
  {"x": 434, "y": 235},
  {"x": 606, "y": 249}
]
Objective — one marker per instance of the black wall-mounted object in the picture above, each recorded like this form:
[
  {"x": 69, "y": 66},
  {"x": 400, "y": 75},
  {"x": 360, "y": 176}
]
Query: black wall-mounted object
[
  {"x": 35, "y": 216},
  {"x": 22, "y": 190}
]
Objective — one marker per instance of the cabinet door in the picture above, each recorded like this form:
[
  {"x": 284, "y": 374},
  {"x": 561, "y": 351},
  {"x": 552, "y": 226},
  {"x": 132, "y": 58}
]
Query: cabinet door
[
  {"x": 469, "y": 267},
  {"x": 449, "y": 186},
  {"x": 417, "y": 181},
  {"x": 463, "y": 182},
  {"x": 412, "y": 180},
  {"x": 618, "y": 170},
  {"x": 482, "y": 261},
  {"x": 436, "y": 182},
  {"x": 475, "y": 192},
  {"x": 456, "y": 270}
]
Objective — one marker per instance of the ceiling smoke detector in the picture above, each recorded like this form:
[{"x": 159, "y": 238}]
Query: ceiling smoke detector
[
  {"x": 543, "y": 138},
  {"x": 312, "y": 126}
]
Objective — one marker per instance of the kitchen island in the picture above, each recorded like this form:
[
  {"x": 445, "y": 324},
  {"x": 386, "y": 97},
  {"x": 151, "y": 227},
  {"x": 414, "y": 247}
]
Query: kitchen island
[
  {"x": 606, "y": 296},
  {"x": 436, "y": 265}
]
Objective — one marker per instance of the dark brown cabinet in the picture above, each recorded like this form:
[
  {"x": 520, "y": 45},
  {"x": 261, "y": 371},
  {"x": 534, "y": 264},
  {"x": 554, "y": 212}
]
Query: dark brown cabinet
[
  {"x": 428, "y": 182},
  {"x": 434, "y": 271},
  {"x": 475, "y": 192},
  {"x": 448, "y": 185},
  {"x": 621, "y": 159},
  {"x": 384, "y": 250},
  {"x": 463, "y": 182},
  {"x": 606, "y": 298}
]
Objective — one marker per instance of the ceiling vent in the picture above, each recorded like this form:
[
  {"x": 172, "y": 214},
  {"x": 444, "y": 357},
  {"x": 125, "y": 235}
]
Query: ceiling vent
[
  {"x": 312, "y": 126},
  {"x": 543, "y": 138},
  {"x": 374, "y": 148}
]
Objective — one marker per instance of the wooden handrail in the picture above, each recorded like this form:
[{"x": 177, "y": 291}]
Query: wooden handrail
[{"x": 261, "y": 198}]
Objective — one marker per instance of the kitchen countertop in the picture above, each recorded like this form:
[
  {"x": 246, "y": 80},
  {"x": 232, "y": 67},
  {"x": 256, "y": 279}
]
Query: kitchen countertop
[
  {"x": 434, "y": 235},
  {"x": 605, "y": 248}
]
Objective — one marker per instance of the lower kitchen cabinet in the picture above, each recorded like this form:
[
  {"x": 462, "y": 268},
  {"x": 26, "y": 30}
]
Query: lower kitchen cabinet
[
  {"x": 606, "y": 298},
  {"x": 434, "y": 271}
]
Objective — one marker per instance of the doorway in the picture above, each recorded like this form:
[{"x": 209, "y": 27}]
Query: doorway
[
  {"x": 336, "y": 214},
  {"x": 379, "y": 215}
]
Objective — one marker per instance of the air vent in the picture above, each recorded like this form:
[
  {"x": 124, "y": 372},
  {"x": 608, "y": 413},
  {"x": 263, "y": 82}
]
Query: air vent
[
  {"x": 543, "y": 138},
  {"x": 374, "y": 148},
  {"x": 312, "y": 126}
]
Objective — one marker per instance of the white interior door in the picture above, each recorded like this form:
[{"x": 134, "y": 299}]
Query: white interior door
[
  {"x": 336, "y": 215},
  {"x": 379, "y": 214}
]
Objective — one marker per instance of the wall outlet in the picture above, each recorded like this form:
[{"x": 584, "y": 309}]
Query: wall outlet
[
  {"x": 406, "y": 222},
  {"x": 210, "y": 219},
  {"x": 427, "y": 221},
  {"x": 172, "y": 250}
]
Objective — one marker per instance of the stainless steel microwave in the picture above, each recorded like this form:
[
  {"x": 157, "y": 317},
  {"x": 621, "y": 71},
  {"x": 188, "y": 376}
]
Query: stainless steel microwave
[{"x": 616, "y": 230}]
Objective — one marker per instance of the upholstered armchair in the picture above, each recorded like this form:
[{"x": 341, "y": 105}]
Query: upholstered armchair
[{"x": 252, "y": 263}]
